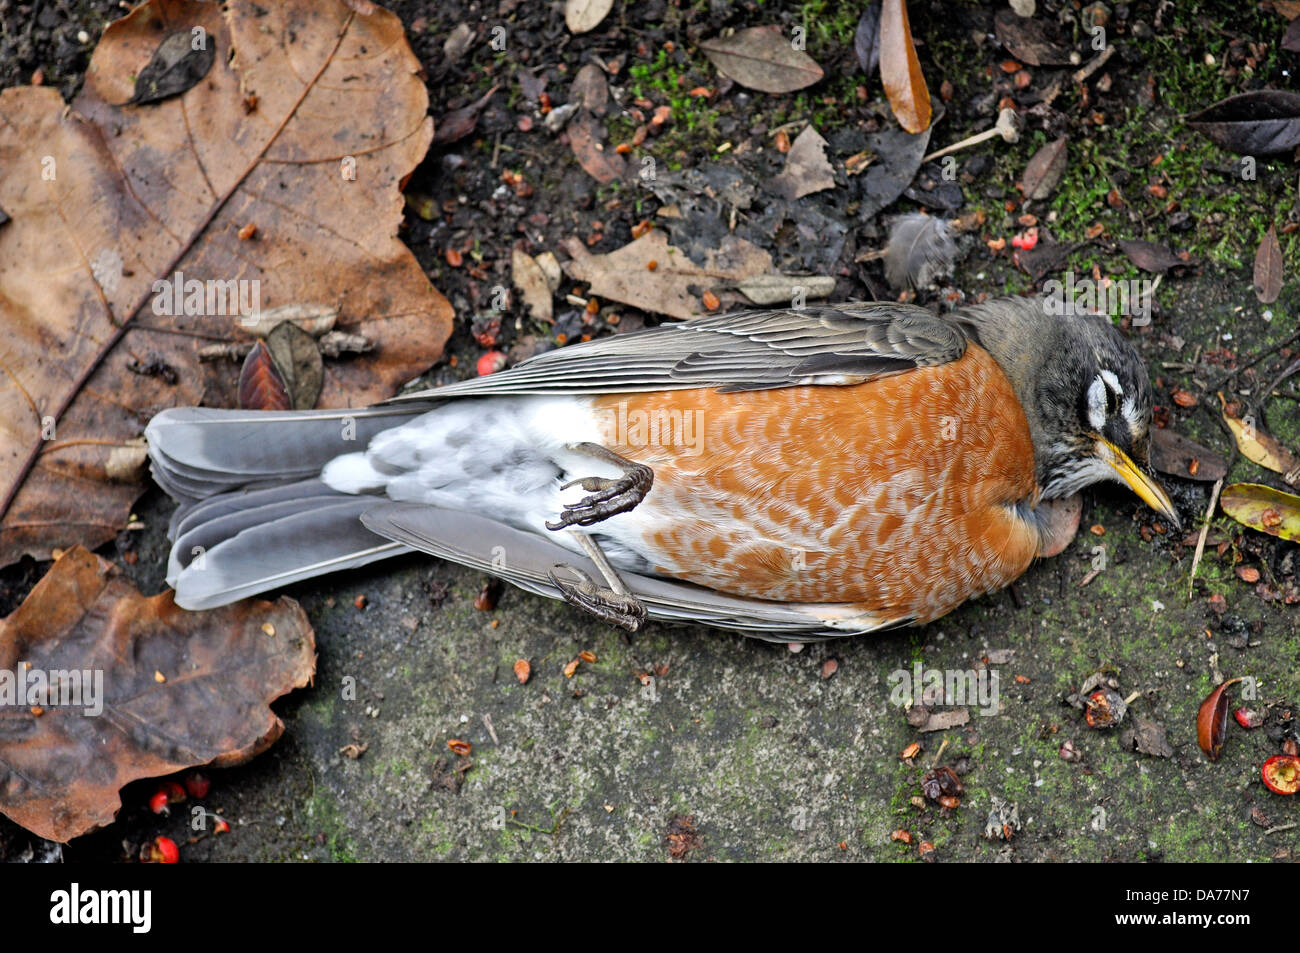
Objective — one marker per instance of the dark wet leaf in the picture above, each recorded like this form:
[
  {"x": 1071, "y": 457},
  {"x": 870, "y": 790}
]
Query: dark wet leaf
[
  {"x": 762, "y": 58},
  {"x": 1291, "y": 39},
  {"x": 1176, "y": 455},
  {"x": 900, "y": 69},
  {"x": 1268, "y": 268},
  {"x": 590, "y": 89},
  {"x": 1026, "y": 40},
  {"x": 1150, "y": 256},
  {"x": 298, "y": 360},
  {"x": 899, "y": 155},
  {"x": 1264, "y": 509},
  {"x": 179, "y": 689},
  {"x": 1046, "y": 257},
  {"x": 459, "y": 123},
  {"x": 1212, "y": 720},
  {"x": 1043, "y": 173},
  {"x": 1262, "y": 122},
  {"x": 866, "y": 39},
  {"x": 181, "y": 60},
  {"x": 260, "y": 385},
  {"x": 600, "y": 162},
  {"x": 1146, "y": 737}
]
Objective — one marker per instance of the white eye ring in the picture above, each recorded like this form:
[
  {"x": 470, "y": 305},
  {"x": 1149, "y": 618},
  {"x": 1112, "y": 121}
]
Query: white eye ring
[
  {"x": 1112, "y": 382},
  {"x": 1097, "y": 402}
]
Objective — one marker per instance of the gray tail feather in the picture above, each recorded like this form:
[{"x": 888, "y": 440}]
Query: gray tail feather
[
  {"x": 243, "y": 543},
  {"x": 254, "y": 516},
  {"x": 198, "y": 452}
]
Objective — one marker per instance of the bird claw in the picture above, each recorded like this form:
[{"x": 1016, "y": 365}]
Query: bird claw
[
  {"x": 623, "y": 610},
  {"x": 606, "y": 497}
]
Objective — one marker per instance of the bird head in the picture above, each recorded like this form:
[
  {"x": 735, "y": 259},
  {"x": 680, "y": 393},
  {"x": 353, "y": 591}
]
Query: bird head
[{"x": 1084, "y": 390}]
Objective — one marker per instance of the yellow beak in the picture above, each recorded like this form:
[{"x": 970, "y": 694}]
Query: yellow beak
[{"x": 1138, "y": 480}]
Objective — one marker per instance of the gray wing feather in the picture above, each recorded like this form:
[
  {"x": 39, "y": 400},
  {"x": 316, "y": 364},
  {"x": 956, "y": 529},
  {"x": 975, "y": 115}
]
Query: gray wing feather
[
  {"x": 480, "y": 543},
  {"x": 748, "y": 350}
]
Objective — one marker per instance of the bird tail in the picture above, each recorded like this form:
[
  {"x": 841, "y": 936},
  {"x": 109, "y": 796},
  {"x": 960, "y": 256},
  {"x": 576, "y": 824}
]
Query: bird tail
[{"x": 254, "y": 514}]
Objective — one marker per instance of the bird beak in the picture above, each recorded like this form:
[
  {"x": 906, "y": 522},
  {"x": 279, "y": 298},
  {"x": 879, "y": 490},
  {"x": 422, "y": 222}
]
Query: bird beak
[{"x": 1138, "y": 480}]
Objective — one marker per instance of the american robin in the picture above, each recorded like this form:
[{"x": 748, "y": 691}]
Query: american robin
[{"x": 794, "y": 473}]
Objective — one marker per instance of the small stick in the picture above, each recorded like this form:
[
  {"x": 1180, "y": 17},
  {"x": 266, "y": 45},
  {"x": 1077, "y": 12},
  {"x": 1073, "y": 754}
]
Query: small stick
[
  {"x": 939, "y": 754},
  {"x": 1205, "y": 529}
]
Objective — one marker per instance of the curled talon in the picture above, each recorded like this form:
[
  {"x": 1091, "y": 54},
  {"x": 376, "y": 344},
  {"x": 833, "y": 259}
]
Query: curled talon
[
  {"x": 606, "y": 496},
  {"x": 623, "y": 610}
]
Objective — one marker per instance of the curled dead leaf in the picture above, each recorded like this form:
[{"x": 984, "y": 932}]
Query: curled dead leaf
[{"x": 1212, "y": 720}]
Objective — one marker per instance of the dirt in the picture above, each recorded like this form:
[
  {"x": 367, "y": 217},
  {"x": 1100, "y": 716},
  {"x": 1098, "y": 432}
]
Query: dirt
[{"x": 696, "y": 744}]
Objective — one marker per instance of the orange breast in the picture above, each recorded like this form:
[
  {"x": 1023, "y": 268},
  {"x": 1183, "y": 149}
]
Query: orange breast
[{"x": 895, "y": 495}]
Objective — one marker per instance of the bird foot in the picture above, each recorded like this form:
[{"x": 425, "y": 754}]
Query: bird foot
[
  {"x": 605, "y": 496},
  {"x": 622, "y": 609}
]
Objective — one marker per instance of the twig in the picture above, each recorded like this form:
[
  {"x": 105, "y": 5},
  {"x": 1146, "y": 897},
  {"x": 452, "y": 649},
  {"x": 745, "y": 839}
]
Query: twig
[
  {"x": 1281, "y": 827},
  {"x": 1081, "y": 75},
  {"x": 1205, "y": 529},
  {"x": 1245, "y": 367},
  {"x": 939, "y": 754}
]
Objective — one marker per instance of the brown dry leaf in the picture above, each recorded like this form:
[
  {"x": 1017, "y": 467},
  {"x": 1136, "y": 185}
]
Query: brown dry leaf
[
  {"x": 807, "y": 169},
  {"x": 1044, "y": 171},
  {"x": 1268, "y": 268},
  {"x": 582, "y": 16},
  {"x": 109, "y": 200},
  {"x": 1264, "y": 509},
  {"x": 762, "y": 58},
  {"x": 529, "y": 278},
  {"x": 597, "y": 159},
  {"x": 675, "y": 285},
  {"x": 900, "y": 70},
  {"x": 1262, "y": 448},
  {"x": 60, "y": 773}
]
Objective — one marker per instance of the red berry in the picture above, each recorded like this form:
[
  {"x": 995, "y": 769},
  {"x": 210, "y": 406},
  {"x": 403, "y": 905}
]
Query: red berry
[
  {"x": 490, "y": 363},
  {"x": 158, "y": 802},
  {"x": 160, "y": 850},
  {"x": 197, "y": 784},
  {"x": 221, "y": 826}
]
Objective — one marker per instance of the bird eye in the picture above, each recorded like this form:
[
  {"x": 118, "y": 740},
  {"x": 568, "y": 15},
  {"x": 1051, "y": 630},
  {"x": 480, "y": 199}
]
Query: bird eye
[{"x": 1112, "y": 403}]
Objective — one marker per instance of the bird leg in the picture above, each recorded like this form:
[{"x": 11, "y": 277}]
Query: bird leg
[
  {"x": 605, "y": 497},
  {"x": 614, "y": 603}
]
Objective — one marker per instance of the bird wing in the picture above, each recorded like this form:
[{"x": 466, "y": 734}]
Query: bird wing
[
  {"x": 525, "y": 559},
  {"x": 750, "y": 350}
]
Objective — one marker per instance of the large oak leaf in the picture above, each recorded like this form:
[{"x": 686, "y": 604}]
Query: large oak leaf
[
  {"x": 300, "y": 132},
  {"x": 178, "y": 689}
]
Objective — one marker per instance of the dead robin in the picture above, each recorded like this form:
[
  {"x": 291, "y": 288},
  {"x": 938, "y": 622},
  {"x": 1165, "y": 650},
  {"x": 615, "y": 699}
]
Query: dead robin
[{"x": 823, "y": 471}]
